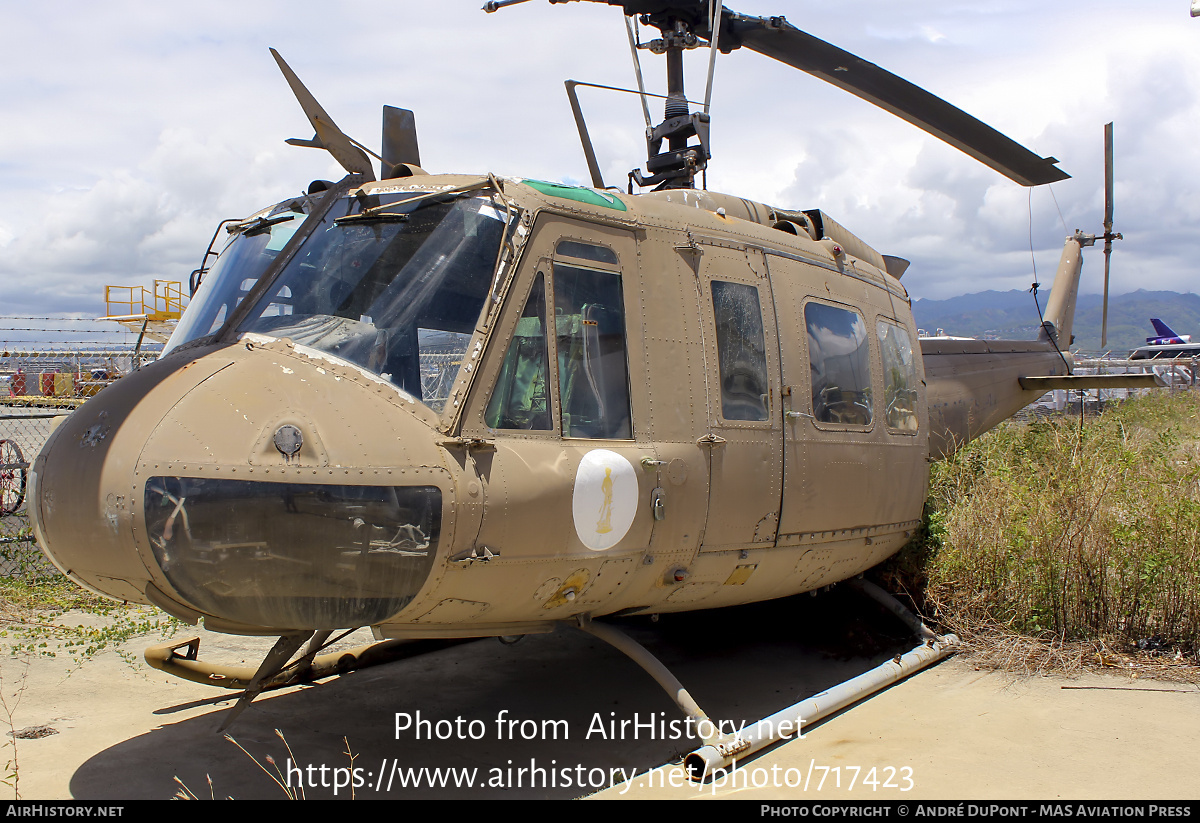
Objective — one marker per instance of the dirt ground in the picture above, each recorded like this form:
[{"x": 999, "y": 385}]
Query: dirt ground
[{"x": 536, "y": 719}]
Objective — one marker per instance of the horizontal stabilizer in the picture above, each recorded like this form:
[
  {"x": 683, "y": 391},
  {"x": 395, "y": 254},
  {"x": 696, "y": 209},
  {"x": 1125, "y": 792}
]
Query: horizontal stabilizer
[
  {"x": 1086, "y": 382},
  {"x": 315, "y": 143}
]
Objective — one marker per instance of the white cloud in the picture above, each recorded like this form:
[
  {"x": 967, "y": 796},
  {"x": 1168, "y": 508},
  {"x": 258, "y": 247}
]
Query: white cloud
[{"x": 131, "y": 130}]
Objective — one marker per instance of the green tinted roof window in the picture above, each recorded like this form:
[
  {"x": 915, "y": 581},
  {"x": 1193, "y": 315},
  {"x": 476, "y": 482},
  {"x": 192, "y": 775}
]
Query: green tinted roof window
[{"x": 577, "y": 193}]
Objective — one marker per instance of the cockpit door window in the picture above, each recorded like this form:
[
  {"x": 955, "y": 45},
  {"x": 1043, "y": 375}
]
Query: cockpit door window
[
  {"x": 593, "y": 373},
  {"x": 520, "y": 398}
]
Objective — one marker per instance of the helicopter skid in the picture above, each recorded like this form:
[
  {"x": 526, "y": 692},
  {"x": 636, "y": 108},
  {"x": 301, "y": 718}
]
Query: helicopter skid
[
  {"x": 710, "y": 758},
  {"x": 166, "y": 657}
]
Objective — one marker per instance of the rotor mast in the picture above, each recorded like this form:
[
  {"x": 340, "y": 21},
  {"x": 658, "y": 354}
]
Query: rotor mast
[{"x": 677, "y": 166}]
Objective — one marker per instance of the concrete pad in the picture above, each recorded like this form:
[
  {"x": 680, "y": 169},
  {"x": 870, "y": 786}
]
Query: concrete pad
[{"x": 955, "y": 733}]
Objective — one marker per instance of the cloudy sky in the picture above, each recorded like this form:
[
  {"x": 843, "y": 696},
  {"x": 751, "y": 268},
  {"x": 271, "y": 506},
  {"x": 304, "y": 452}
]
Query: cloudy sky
[{"x": 129, "y": 129}]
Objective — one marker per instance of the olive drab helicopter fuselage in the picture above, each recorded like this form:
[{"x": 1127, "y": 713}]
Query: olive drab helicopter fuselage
[
  {"x": 449, "y": 406},
  {"x": 647, "y": 406}
]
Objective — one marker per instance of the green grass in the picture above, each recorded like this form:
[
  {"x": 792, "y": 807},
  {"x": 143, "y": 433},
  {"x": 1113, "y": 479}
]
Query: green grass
[{"x": 1051, "y": 532}]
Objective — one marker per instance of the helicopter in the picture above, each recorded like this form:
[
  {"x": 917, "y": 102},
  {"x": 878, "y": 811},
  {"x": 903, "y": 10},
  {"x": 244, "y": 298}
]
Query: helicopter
[{"x": 450, "y": 406}]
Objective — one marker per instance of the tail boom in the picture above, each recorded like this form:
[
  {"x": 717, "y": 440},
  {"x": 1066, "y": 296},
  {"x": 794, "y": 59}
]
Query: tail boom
[{"x": 974, "y": 385}]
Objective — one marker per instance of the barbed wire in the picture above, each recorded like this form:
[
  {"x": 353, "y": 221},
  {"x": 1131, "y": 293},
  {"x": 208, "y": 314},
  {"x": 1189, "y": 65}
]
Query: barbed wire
[
  {"x": 33, "y": 317},
  {"x": 51, "y": 342},
  {"x": 76, "y": 331}
]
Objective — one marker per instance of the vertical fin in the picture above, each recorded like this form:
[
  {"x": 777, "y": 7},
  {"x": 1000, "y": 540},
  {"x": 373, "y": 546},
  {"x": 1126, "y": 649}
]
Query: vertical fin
[
  {"x": 1161, "y": 328},
  {"x": 1060, "y": 308}
]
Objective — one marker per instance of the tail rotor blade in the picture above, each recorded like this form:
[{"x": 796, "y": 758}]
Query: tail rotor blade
[
  {"x": 1104, "y": 320},
  {"x": 1108, "y": 224},
  {"x": 1108, "y": 177}
]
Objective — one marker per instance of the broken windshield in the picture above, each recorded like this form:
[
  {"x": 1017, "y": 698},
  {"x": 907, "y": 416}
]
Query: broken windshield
[{"x": 399, "y": 295}]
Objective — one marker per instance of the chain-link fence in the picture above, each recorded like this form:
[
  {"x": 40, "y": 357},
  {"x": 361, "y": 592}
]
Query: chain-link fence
[
  {"x": 23, "y": 432},
  {"x": 1175, "y": 372},
  {"x": 39, "y": 384}
]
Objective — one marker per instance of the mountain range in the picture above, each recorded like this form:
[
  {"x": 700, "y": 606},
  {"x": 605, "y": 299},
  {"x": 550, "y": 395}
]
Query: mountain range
[{"x": 1013, "y": 315}]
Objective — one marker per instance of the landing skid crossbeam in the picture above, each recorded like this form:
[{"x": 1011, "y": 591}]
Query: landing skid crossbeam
[
  {"x": 719, "y": 751},
  {"x": 274, "y": 663},
  {"x": 181, "y": 659}
]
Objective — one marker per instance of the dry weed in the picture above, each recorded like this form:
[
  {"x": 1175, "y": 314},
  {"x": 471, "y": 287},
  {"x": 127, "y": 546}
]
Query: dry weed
[{"x": 1051, "y": 548}]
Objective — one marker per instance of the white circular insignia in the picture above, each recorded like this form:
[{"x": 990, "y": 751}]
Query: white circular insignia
[{"x": 605, "y": 499}]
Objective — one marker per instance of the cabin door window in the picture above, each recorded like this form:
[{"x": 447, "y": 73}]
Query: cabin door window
[
  {"x": 741, "y": 352},
  {"x": 900, "y": 379},
  {"x": 840, "y": 364}
]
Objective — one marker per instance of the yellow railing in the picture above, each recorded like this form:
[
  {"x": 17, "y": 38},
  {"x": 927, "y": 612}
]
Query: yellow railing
[{"x": 164, "y": 302}]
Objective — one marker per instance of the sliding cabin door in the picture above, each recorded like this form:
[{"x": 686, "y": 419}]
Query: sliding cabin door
[{"x": 744, "y": 436}]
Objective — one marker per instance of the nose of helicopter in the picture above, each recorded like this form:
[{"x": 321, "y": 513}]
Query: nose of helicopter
[{"x": 255, "y": 484}]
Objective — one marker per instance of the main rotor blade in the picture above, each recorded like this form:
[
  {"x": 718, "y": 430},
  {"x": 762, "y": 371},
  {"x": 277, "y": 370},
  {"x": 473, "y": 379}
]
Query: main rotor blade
[
  {"x": 776, "y": 38},
  {"x": 328, "y": 135}
]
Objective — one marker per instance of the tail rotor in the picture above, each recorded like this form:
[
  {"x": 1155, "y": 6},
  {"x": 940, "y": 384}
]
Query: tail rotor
[{"x": 1109, "y": 236}]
